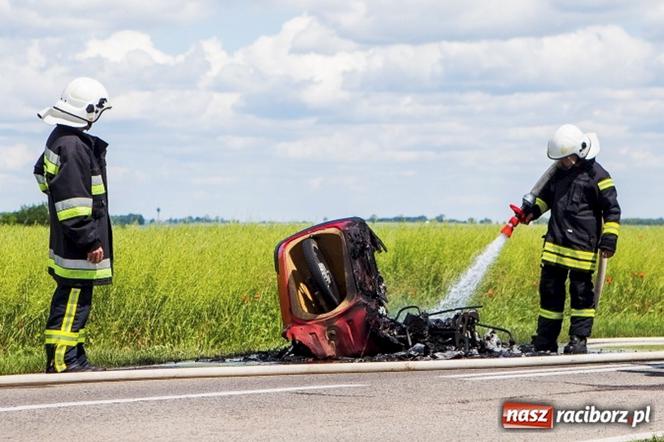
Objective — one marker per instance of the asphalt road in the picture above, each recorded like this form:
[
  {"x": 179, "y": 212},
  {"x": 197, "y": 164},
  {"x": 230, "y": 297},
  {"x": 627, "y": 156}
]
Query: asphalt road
[{"x": 436, "y": 405}]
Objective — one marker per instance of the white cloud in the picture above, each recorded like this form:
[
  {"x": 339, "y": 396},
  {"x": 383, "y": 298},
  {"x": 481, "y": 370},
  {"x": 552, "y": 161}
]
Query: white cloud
[
  {"x": 73, "y": 17},
  {"x": 241, "y": 143},
  {"x": 193, "y": 109},
  {"x": 212, "y": 180},
  {"x": 16, "y": 157},
  {"x": 216, "y": 58},
  {"x": 390, "y": 21},
  {"x": 643, "y": 158},
  {"x": 420, "y": 21},
  {"x": 310, "y": 36},
  {"x": 590, "y": 57},
  {"x": 355, "y": 145},
  {"x": 287, "y": 59},
  {"x": 316, "y": 183},
  {"x": 120, "y": 44}
]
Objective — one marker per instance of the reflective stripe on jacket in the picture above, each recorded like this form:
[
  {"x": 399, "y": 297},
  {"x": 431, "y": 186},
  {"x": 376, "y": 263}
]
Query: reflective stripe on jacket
[
  {"x": 72, "y": 172},
  {"x": 585, "y": 216}
]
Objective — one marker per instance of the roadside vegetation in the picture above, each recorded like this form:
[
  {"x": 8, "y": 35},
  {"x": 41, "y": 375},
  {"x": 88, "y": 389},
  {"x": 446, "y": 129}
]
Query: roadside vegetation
[{"x": 189, "y": 291}]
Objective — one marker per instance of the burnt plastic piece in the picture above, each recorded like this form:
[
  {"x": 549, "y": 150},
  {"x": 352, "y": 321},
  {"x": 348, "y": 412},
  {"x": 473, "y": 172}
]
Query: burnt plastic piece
[{"x": 321, "y": 274}]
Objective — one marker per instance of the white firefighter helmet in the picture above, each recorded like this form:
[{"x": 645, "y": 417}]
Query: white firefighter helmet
[
  {"x": 81, "y": 104},
  {"x": 569, "y": 140}
]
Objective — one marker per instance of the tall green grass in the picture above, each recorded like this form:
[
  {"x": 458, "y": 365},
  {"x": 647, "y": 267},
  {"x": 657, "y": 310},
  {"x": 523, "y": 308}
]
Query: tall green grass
[{"x": 188, "y": 291}]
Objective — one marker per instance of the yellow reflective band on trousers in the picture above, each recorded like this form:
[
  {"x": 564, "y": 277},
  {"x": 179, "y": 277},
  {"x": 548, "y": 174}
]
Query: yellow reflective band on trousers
[
  {"x": 60, "y": 358},
  {"x": 605, "y": 184},
  {"x": 58, "y": 337},
  {"x": 65, "y": 330},
  {"x": 574, "y": 259},
  {"x": 541, "y": 204},
  {"x": 611, "y": 227},
  {"x": 583, "y": 313},
  {"x": 549, "y": 314},
  {"x": 68, "y": 320}
]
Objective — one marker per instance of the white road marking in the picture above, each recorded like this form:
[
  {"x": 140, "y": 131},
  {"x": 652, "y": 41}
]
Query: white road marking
[
  {"x": 533, "y": 370},
  {"x": 176, "y": 397},
  {"x": 552, "y": 373},
  {"x": 630, "y": 437}
]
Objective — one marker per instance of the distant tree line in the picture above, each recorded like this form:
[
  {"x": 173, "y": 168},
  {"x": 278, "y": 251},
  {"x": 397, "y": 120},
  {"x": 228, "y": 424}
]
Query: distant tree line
[
  {"x": 194, "y": 220},
  {"x": 643, "y": 221},
  {"x": 424, "y": 219},
  {"x": 127, "y": 220},
  {"x": 28, "y": 215},
  {"x": 543, "y": 220},
  {"x": 37, "y": 214}
]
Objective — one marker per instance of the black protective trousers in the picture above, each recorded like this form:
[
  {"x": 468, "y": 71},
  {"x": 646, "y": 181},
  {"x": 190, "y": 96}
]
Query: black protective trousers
[
  {"x": 65, "y": 328},
  {"x": 552, "y": 302}
]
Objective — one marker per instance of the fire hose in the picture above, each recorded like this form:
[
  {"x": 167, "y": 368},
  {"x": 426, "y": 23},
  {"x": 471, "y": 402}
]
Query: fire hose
[{"x": 600, "y": 278}]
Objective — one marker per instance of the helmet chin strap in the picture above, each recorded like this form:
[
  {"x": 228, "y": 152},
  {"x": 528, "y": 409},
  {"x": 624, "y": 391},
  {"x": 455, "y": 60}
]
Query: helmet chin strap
[{"x": 70, "y": 114}]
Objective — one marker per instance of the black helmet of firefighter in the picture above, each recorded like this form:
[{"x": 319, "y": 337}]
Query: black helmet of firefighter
[
  {"x": 82, "y": 102},
  {"x": 570, "y": 140}
]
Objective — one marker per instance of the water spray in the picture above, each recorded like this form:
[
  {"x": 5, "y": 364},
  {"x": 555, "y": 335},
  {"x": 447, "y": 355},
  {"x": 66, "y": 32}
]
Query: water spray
[
  {"x": 465, "y": 287},
  {"x": 461, "y": 292}
]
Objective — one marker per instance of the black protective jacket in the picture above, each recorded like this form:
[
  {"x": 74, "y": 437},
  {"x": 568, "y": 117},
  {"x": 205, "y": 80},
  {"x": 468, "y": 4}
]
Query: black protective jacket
[
  {"x": 72, "y": 172},
  {"x": 585, "y": 216}
]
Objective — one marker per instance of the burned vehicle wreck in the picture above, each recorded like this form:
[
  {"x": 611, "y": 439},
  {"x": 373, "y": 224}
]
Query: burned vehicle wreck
[{"x": 334, "y": 301}]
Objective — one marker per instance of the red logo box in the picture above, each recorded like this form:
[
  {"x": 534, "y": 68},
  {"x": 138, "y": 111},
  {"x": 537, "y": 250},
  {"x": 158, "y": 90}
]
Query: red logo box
[{"x": 523, "y": 415}]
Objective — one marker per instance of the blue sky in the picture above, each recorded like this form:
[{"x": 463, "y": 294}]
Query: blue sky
[{"x": 302, "y": 109}]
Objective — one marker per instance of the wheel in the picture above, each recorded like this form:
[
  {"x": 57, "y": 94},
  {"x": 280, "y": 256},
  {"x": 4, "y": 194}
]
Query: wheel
[{"x": 320, "y": 272}]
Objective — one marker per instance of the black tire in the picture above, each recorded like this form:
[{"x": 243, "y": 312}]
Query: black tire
[{"x": 320, "y": 272}]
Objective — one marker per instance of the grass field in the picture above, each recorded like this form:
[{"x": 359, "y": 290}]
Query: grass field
[{"x": 183, "y": 292}]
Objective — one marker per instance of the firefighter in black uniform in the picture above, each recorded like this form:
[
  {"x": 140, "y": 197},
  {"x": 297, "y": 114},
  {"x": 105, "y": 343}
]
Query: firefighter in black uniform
[
  {"x": 72, "y": 172},
  {"x": 585, "y": 219}
]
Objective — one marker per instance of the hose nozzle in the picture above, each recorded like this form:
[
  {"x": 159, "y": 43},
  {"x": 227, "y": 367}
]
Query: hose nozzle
[{"x": 514, "y": 221}]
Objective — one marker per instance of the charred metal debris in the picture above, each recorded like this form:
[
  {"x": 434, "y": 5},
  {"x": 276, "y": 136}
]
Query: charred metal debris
[{"x": 333, "y": 305}]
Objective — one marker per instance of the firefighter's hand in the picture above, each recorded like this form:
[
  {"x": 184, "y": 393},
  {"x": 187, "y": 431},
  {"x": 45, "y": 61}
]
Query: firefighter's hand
[
  {"x": 96, "y": 255},
  {"x": 528, "y": 218},
  {"x": 607, "y": 253}
]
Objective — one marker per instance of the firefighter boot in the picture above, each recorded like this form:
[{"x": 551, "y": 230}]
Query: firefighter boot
[
  {"x": 63, "y": 359},
  {"x": 50, "y": 358},
  {"x": 576, "y": 345},
  {"x": 83, "y": 364},
  {"x": 543, "y": 344}
]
